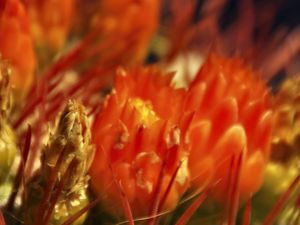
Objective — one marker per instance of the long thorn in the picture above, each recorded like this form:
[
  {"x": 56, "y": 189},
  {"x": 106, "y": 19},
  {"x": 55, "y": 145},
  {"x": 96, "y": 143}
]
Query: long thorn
[
  {"x": 188, "y": 213},
  {"x": 247, "y": 213},
  {"x": 74, "y": 217},
  {"x": 58, "y": 191},
  {"x": 156, "y": 194},
  {"x": 164, "y": 198},
  {"x": 50, "y": 186},
  {"x": 2, "y": 221},
  {"x": 234, "y": 196},
  {"x": 124, "y": 199},
  {"x": 270, "y": 218},
  {"x": 20, "y": 173}
]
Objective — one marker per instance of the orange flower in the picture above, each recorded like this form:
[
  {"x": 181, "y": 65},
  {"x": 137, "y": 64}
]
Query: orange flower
[
  {"x": 16, "y": 43},
  {"x": 139, "y": 133},
  {"x": 51, "y": 21},
  {"x": 232, "y": 118},
  {"x": 132, "y": 21},
  {"x": 223, "y": 115}
]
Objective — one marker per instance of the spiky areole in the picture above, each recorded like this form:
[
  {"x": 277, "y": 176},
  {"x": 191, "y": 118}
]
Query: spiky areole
[
  {"x": 232, "y": 118},
  {"x": 16, "y": 44},
  {"x": 139, "y": 136}
]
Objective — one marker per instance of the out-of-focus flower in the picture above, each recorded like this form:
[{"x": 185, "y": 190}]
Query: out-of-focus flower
[
  {"x": 286, "y": 140},
  {"x": 66, "y": 158},
  {"x": 232, "y": 118},
  {"x": 16, "y": 44},
  {"x": 51, "y": 21},
  {"x": 139, "y": 134},
  {"x": 285, "y": 147},
  {"x": 132, "y": 22},
  {"x": 8, "y": 140},
  {"x": 279, "y": 177}
]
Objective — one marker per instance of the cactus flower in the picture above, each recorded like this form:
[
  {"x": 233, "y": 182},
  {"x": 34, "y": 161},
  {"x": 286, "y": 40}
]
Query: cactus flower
[
  {"x": 137, "y": 133},
  {"x": 51, "y": 21},
  {"x": 132, "y": 22},
  {"x": 16, "y": 44},
  {"x": 217, "y": 118},
  {"x": 232, "y": 117}
]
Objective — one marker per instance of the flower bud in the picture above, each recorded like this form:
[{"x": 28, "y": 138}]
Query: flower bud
[{"x": 69, "y": 152}]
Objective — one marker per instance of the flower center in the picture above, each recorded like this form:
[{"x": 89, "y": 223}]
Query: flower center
[{"x": 146, "y": 115}]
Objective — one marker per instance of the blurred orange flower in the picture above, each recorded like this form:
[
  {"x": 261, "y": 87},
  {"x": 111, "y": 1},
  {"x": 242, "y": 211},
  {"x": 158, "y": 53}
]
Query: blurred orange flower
[
  {"x": 130, "y": 21},
  {"x": 232, "y": 117},
  {"x": 51, "y": 21},
  {"x": 16, "y": 43}
]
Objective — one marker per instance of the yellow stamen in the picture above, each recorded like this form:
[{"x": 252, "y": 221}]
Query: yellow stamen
[{"x": 146, "y": 115}]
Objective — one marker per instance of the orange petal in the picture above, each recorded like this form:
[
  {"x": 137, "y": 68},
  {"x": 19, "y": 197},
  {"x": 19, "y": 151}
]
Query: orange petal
[
  {"x": 195, "y": 96},
  {"x": 202, "y": 172},
  {"x": 231, "y": 143},
  {"x": 250, "y": 116},
  {"x": 10, "y": 38},
  {"x": 198, "y": 137},
  {"x": 123, "y": 172},
  {"x": 252, "y": 174},
  {"x": 225, "y": 115},
  {"x": 215, "y": 91},
  {"x": 263, "y": 136}
]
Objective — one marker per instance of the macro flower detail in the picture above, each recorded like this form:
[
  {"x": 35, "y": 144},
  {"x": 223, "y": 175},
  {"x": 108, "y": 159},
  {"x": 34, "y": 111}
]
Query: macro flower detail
[
  {"x": 223, "y": 119},
  {"x": 83, "y": 142},
  {"x": 232, "y": 118},
  {"x": 16, "y": 44},
  {"x": 138, "y": 138},
  {"x": 65, "y": 162}
]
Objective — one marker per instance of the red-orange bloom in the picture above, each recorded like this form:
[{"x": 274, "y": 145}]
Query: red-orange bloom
[
  {"x": 223, "y": 116},
  {"x": 232, "y": 118},
  {"x": 131, "y": 22},
  {"x": 51, "y": 21},
  {"x": 140, "y": 134},
  {"x": 16, "y": 44}
]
